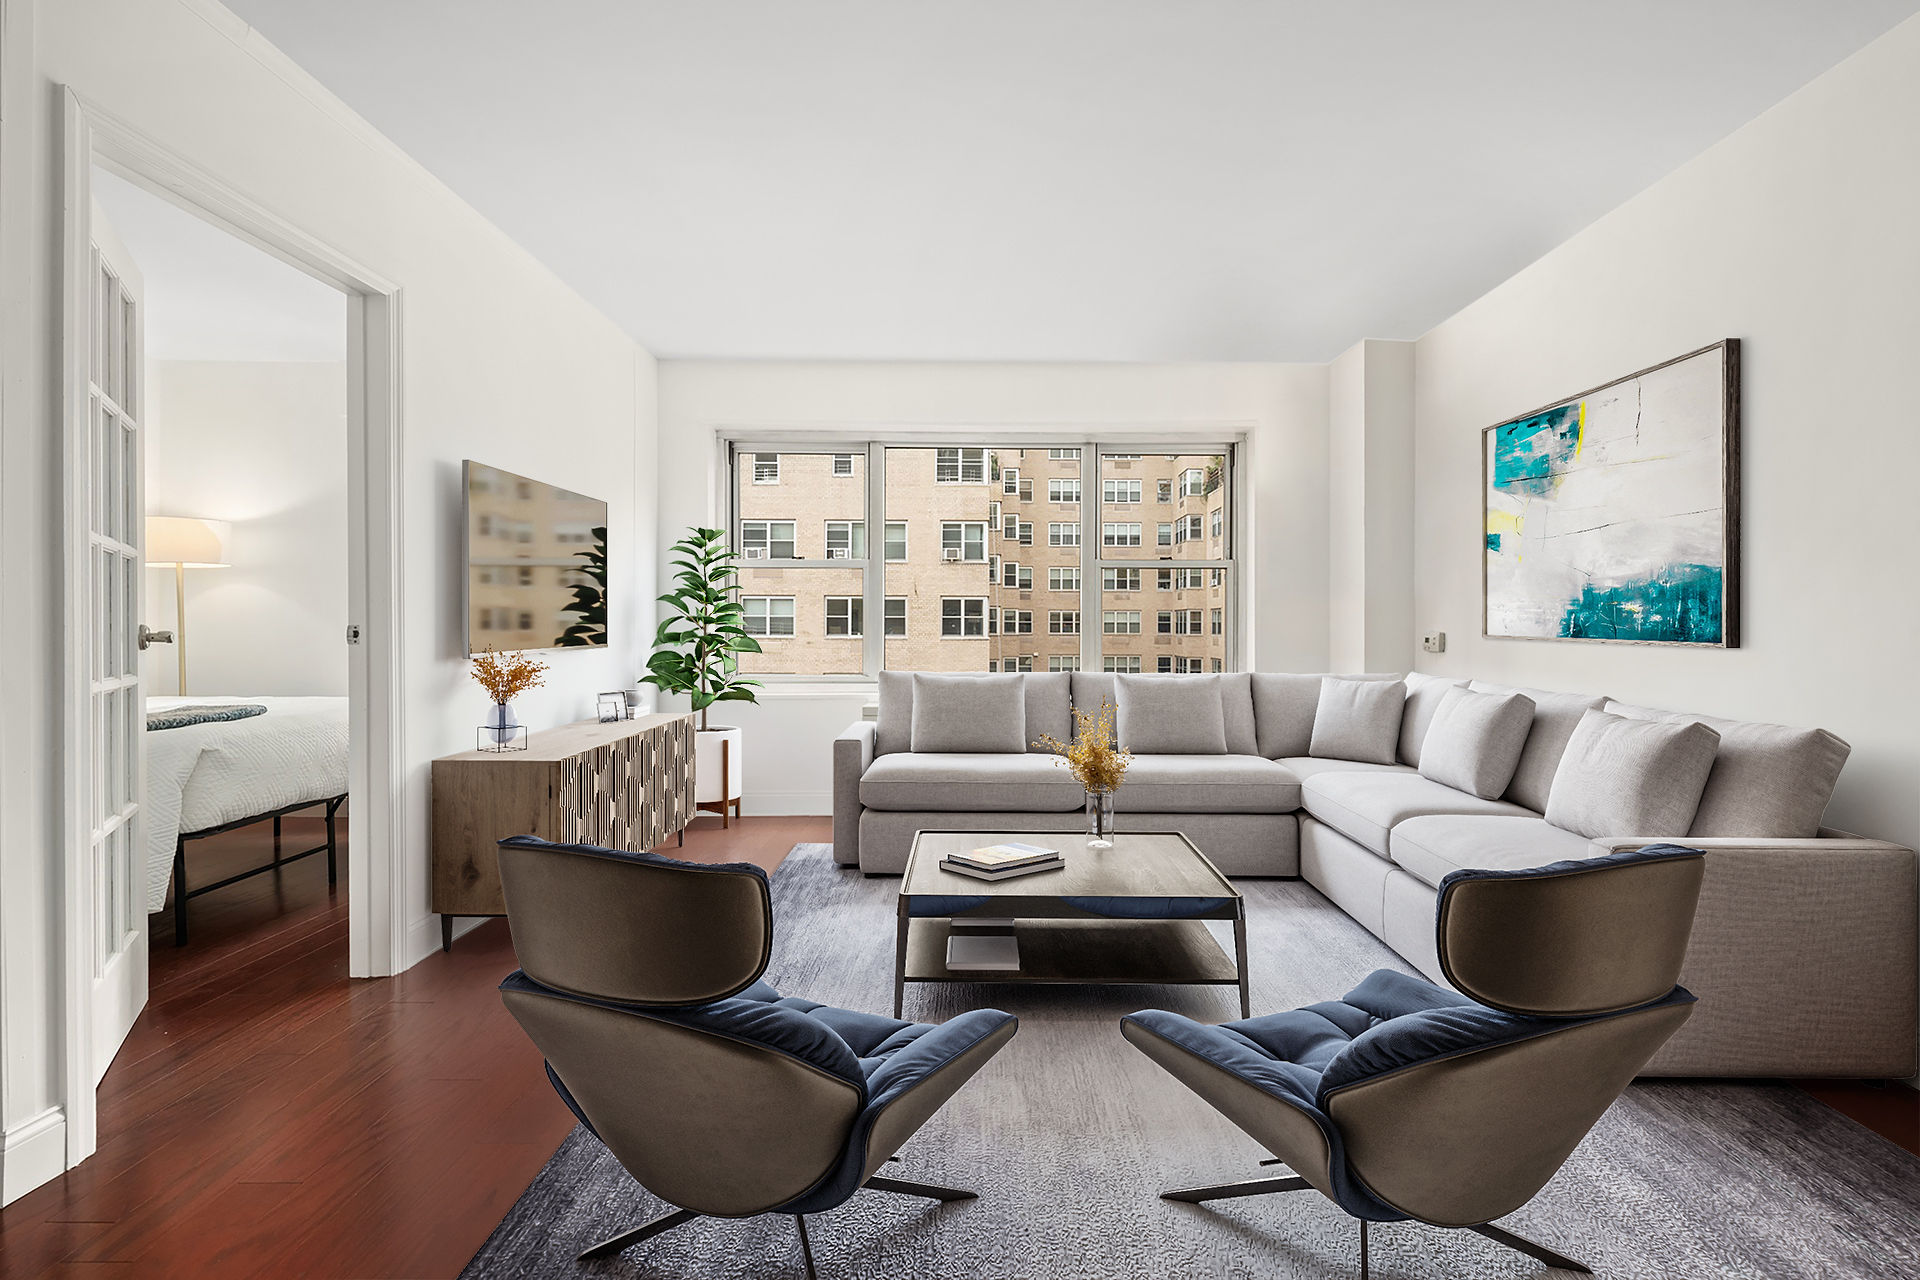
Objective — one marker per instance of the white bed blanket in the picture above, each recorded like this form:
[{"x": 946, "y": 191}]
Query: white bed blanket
[{"x": 207, "y": 775}]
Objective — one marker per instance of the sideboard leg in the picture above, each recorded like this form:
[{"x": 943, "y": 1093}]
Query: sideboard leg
[{"x": 446, "y": 933}]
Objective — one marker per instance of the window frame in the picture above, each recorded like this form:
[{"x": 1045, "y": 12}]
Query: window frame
[
  {"x": 1094, "y": 554},
  {"x": 856, "y": 630}
]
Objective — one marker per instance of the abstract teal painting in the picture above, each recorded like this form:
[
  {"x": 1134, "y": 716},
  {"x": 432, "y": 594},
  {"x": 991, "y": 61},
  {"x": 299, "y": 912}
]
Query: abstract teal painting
[{"x": 1614, "y": 515}]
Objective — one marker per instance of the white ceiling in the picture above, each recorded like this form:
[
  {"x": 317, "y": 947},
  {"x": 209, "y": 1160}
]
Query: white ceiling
[
  {"x": 211, "y": 295},
  {"x": 1053, "y": 179}
]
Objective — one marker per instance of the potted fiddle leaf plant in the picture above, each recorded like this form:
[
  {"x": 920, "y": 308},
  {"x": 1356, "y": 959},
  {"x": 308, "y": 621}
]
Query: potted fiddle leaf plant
[{"x": 697, "y": 653}]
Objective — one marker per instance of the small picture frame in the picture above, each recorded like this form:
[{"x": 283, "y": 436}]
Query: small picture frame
[{"x": 612, "y": 706}]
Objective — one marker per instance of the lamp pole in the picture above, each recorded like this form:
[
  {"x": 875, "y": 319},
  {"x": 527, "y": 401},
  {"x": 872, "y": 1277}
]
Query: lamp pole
[{"x": 180, "y": 620}]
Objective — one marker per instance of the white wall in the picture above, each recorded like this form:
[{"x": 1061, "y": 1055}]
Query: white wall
[
  {"x": 501, "y": 362},
  {"x": 262, "y": 445},
  {"x": 1280, "y": 409},
  {"x": 1370, "y": 507},
  {"x": 1797, "y": 235}
]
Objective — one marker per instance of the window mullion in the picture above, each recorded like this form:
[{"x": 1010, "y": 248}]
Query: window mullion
[
  {"x": 873, "y": 627},
  {"x": 1090, "y": 616}
]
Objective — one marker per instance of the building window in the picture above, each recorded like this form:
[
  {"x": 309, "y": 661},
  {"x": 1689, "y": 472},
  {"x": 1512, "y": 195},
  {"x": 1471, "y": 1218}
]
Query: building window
[
  {"x": 766, "y": 468},
  {"x": 896, "y": 619},
  {"x": 1120, "y": 622},
  {"x": 842, "y": 464},
  {"x": 1010, "y": 481},
  {"x": 1165, "y": 538},
  {"x": 1163, "y": 491},
  {"x": 1120, "y": 492},
  {"x": 1063, "y": 533},
  {"x": 1218, "y": 521},
  {"x": 1063, "y": 662},
  {"x": 896, "y": 541},
  {"x": 1022, "y": 663},
  {"x": 963, "y": 540},
  {"x": 1063, "y": 622},
  {"x": 844, "y": 616},
  {"x": 1182, "y": 579},
  {"x": 1193, "y": 483},
  {"x": 1064, "y": 455},
  {"x": 1219, "y": 622},
  {"x": 960, "y": 466},
  {"x": 1179, "y": 622},
  {"x": 846, "y": 539},
  {"x": 1016, "y": 622},
  {"x": 1016, "y": 575},
  {"x": 768, "y": 615},
  {"x": 964, "y": 616},
  {"x": 1119, "y": 535},
  {"x": 1217, "y": 578},
  {"x": 1119, "y": 579},
  {"x": 1126, "y": 664},
  {"x": 1059, "y": 490},
  {"x": 1121, "y": 457},
  {"x": 1059, "y": 579},
  {"x": 1189, "y": 529},
  {"x": 767, "y": 539}
]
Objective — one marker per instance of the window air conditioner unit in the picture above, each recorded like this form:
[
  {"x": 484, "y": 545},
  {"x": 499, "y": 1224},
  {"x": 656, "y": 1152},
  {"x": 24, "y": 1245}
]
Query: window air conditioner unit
[
  {"x": 950, "y": 553},
  {"x": 837, "y": 553},
  {"x": 754, "y": 553}
]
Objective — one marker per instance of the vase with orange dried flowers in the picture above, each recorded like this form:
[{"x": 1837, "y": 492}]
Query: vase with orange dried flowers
[
  {"x": 504, "y": 677},
  {"x": 1097, "y": 763}
]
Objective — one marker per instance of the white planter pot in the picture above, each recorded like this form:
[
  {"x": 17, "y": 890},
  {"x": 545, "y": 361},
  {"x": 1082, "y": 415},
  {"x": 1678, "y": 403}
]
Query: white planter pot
[{"x": 712, "y": 782}]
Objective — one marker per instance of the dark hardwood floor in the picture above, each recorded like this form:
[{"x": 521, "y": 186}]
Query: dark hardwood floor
[{"x": 270, "y": 1117}]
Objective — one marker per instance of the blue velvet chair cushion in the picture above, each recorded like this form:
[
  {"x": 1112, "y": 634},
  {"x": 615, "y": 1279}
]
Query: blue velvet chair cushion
[
  {"x": 1389, "y": 1022},
  {"x": 883, "y": 1057}
]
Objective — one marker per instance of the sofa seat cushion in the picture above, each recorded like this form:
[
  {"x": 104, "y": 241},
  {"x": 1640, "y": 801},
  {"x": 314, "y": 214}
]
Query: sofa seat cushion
[
  {"x": 1304, "y": 767},
  {"x": 912, "y": 780},
  {"x": 1433, "y": 847},
  {"x": 1207, "y": 784},
  {"x": 1364, "y": 807}
]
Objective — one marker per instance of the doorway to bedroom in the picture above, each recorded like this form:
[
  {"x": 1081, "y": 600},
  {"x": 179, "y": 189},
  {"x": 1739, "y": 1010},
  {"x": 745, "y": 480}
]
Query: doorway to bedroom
[{"x": 236, "y": 374}]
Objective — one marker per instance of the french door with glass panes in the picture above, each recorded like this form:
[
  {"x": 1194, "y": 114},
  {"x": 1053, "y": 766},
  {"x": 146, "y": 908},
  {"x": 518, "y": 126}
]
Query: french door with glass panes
[{"x": 117, "y": 861}]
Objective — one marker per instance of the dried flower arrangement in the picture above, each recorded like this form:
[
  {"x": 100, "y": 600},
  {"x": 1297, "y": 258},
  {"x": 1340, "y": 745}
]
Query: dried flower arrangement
[
  {"x": 504, "y": 677},
  {"x": 1096, "y": 761}
]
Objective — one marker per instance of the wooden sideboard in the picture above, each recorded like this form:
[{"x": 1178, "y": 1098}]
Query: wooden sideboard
[{"x": 625, "y": 784}]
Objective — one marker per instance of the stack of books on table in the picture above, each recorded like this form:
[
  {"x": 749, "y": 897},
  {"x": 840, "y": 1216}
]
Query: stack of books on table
[{"x": 1003, "y": 861}]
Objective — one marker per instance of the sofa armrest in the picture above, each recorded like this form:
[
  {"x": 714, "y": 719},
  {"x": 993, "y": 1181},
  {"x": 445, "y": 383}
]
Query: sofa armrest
[
  {"x": 852, "y": 753},
  {"x": 1804, "y": 956}
]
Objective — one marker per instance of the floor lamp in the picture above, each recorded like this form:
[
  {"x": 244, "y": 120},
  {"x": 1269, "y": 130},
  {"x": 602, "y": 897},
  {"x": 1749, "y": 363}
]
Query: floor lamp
[{"x": 182, "y": 543}]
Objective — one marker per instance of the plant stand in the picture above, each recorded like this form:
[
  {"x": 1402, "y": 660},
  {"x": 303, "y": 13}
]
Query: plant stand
[{"x": 728, "y": 805}]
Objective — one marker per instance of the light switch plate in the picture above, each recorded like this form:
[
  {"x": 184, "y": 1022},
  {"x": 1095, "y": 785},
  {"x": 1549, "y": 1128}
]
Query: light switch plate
[{"x": 1434, "y": 642}]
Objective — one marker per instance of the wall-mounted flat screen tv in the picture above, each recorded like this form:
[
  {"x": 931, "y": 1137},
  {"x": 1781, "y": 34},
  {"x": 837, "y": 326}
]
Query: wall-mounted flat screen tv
[{"x": 536, "y": 563}]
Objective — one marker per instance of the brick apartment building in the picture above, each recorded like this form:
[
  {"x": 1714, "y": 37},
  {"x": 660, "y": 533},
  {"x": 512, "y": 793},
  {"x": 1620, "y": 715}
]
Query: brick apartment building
[{"x": 982, "y": 557}]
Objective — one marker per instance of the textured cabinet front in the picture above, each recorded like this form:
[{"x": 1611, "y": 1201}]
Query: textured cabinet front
[
  {"x": 624, "y": 785},
  {"x": 630, "y": 794}
]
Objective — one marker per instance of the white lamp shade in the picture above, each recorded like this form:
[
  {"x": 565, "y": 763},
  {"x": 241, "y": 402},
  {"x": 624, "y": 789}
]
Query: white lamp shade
[{"x": 181, "y": 540}]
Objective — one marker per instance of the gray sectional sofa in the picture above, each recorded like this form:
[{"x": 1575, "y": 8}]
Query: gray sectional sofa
[{"x": 1804, "y": 951}]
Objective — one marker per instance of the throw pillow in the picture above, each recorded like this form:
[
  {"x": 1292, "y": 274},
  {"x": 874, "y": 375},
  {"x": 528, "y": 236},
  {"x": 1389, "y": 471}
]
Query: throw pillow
[
  {"x": 969, "y": 713},
  {"x": 1475, "y": 740},
  {"x": 1769, "y": 780},
  {"x": 1621, "y": 777},
  {"x": 1358, "y": 720},
  {"x": 1171, "y": 715},
  {"x": 1554, "y": 717}
]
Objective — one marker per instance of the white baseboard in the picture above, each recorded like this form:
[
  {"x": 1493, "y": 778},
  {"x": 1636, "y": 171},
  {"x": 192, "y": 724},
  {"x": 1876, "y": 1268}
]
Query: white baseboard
[
  {"x": 786, "y": 804},
  {"x": 32, "y": 1153},
  {"x": 423, "y": 935}
]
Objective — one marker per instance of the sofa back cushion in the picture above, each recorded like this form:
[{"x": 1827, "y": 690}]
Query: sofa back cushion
[
  {"x": 977, "y": 714},
  {"x": 1283, "y": 710},
  {"x": 1555, "y": 716},
  {"x": 1769, "y": 780},
  {"x": 1475, "y": 740},
  {"x": 1046, "y": 704},
  {"x": 1236, "y": 708},
  {"x": 1090, "y": 689},
  {"x": 1358, "y": 720},
  {"x": 1623, "y": 777},
  {"x": 1170, "y": 715},
  {"x": 1424, "y": 693}
]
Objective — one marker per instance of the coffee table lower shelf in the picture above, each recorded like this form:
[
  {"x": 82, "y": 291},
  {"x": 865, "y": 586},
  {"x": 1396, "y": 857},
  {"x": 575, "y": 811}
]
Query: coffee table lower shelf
[{"x": 1118, "y": 952}]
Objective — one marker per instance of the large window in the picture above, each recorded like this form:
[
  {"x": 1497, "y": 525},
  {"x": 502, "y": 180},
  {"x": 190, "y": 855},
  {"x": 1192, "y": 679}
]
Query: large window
[{"x": 1140, "y": 579}]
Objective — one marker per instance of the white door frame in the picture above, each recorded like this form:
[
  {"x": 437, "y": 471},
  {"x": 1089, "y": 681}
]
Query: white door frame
[{"x": 375, "y": 889}]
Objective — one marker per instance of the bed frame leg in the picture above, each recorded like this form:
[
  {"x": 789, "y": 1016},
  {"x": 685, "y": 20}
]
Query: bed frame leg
[
  {"x": 276, "y": 839},
  {"x": 179, "y": 892},
  {"x": 333, "y": 870}
]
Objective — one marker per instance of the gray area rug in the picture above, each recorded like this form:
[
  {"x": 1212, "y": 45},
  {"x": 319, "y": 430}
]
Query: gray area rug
[{"x": 1070, "y": 1134}]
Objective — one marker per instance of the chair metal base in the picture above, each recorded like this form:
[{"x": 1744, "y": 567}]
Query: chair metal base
[
  {"x": 680, "y": 1217},
  {"x": 1270, "y": 1186}
]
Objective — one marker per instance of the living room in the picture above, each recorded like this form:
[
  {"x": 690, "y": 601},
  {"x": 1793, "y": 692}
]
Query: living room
[{"x": 1281, "y": 383}]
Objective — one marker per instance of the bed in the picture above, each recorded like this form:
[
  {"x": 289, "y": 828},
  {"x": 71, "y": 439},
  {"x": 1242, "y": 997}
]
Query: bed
[{"x": 203, "y": 778}]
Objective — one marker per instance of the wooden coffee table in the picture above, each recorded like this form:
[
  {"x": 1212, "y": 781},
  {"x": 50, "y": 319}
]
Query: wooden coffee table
[{"x": 1130, "y": 914}]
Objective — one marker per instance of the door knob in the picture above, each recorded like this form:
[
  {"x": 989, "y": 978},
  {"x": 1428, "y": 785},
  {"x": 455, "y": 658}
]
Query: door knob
[{"x": 149, "y": 637}]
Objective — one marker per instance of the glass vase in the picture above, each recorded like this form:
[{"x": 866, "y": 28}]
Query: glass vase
[{"x": 1099, "y": 819}]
